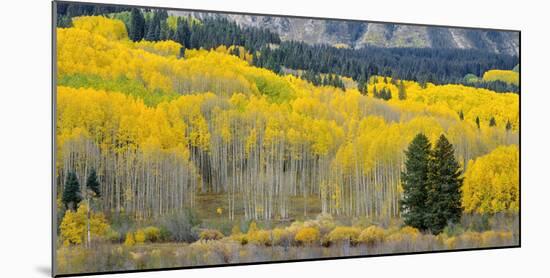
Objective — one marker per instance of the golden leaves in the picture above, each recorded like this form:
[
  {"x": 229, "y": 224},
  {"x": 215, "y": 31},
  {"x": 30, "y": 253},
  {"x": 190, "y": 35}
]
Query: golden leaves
[
  {"x": 507, "y": 76},
  {"x": 491, "y": 182}
]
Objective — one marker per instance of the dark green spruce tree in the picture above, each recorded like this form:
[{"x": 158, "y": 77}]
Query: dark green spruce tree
[
  {"x": 387, "y": 94},
  {"x": 402, "y": 93},
  {"x": 182, "y": 32},
  {"x": 444, "y": 183},
  {"x": 415, "y": 182},
  {"x": 92, "y": 183},
  {"x": 71, "y": 192},
  {"x": 153, "y": 28},
  {"x": 362, "y": 85},
  {"x": 137, "y": 25},
  {"x": 492, "y": 122}
]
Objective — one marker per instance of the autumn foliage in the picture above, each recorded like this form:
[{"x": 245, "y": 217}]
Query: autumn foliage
[
  {"x": 508, "y": 76},
  {"x": 164, "y": 128},
  {"x": 74, "y": 226},
  {"x": 210, "y": 113},
  {"x": 372, "y": 235},
  {"x": 491, "y": 182},
  {"x": 307, "y": 235},
  {"x": 210, "y": 235}
]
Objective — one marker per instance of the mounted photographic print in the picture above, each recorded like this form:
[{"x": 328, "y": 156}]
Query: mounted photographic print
[{"x": 187, "y": 138}]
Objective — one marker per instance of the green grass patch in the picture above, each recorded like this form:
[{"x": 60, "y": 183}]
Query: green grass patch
[{"x": 121, "y": 84}]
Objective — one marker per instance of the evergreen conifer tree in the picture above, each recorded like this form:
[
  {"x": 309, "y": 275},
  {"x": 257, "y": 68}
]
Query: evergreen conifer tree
[
  {"x": 71, "y": 193},
  {"x": 415, "y": 181},
  {"x": 92, "y": 183},
  {"x": 443, "y": 197},
  {"x": 402, "y": 92},
  {"x": 137, "y": 25},
  {"x": 492, "y": 122},
  {"x": 153, "y": 28},
  {"x": 388, "y": 94}
]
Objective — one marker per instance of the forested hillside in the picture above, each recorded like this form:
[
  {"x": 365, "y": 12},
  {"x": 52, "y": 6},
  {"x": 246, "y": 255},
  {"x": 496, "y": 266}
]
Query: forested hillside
[
  {"x": 438, "y": 65},
  {"x": 359, "y": 34},
  {"x": 176, "y": 133}
]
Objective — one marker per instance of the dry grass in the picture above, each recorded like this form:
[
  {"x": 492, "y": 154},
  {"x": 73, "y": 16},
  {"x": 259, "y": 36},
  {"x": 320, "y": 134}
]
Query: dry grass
[{"x": 116, "y": 257}]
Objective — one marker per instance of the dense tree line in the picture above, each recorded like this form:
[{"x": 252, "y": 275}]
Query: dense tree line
[
  {"x": 318, "y": 79},
  {"x": 153, "y": 25},
  {"x": 438, "y": 66},
  {"x": 383, "y": 93},
  {"x": 66, "y": 11},
  {"x": 78, "y": 9},
  {"x": 497, "y": 86},
  {"x": 214, "y": 32},
  {"x": 208, "y": 33}
]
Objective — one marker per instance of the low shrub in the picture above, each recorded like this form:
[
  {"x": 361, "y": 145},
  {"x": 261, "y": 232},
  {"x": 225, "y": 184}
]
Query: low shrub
[
  {"x": 211, "y": 252},
  {"x": 410, "y": 231},
  {"x": 152, "y": 234},
  {"x": 165, "y": 235},
  {"x": 140, "y": 236},
  {"x": 252, "y": 228},
  {"x": 129, "y": 241},
  {"x": 506, "y": 236},
  {"x": 450, "y": 242},
  {"x": 294, "y": 228},
  {"x": 372, "y": 235},
  {"x": 113, "y": 236},
  {"x": 470, "y": 239},
  {"x": 256, "y": 236},
  {"x": 493, "y": 238},
  {"x": 344, "y": 234},
  {"x": 406, "y": 234},
  {"x": 236, "y": 230},
  {"x": 281, "y": 237},
  {"x": 326, "y": 223},
  {"x": 307, "y": 235},
  {"x": 211, "y": 234},
  {"x": 259, "y": 237},
  {"x": 488, "y": 237},
  {"x": 240, "y": 238}
]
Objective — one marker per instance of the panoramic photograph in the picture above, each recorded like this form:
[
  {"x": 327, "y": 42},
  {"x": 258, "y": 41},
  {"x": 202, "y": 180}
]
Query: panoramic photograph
[{"x": 189, "y": 138}]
